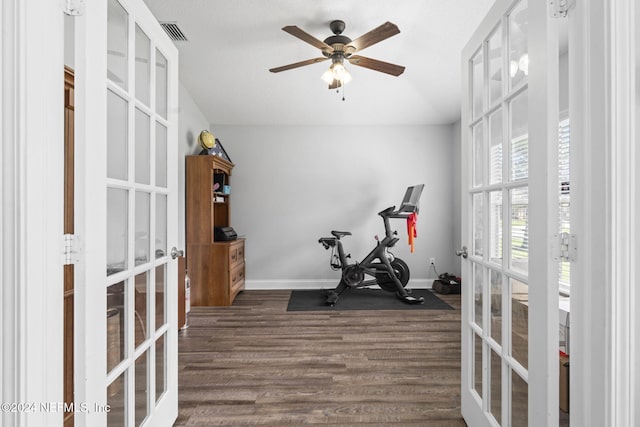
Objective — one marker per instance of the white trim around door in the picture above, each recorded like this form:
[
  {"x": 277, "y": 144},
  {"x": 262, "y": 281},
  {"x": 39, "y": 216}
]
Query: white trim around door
[
  {"x": 605, "y": 380},
  {"x": 31, "y": 227}
]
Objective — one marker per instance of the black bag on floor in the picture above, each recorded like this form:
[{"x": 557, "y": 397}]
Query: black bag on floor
[{"x": 447, "y": 284}]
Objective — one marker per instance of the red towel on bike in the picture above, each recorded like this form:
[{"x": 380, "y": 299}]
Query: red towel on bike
[{"x": 412, "y": 220}]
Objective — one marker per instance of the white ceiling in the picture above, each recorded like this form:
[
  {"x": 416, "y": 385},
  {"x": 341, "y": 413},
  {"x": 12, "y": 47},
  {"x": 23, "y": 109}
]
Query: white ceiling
[{"x": 233, "y": 43}]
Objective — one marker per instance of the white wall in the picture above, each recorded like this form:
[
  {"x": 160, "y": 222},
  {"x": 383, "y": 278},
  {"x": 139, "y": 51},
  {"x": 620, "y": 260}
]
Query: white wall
[
  {"x": 457, "y": 193},
  {"x": 292, "y": 185},
  {"x": 191, "y": 122}
]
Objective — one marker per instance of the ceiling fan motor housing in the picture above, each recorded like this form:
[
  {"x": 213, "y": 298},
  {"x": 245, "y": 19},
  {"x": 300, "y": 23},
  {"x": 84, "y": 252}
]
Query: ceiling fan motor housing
[
  {"x": 337, "y": 26},
  {"x": 337, "y": 41}
]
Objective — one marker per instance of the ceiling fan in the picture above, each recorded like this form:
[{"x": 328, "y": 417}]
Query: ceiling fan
[{"x": 339, "y": 48}]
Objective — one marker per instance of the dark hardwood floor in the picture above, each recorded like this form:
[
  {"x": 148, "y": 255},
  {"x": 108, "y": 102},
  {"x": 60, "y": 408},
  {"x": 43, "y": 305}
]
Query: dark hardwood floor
[{"x": 256, "y": 364}]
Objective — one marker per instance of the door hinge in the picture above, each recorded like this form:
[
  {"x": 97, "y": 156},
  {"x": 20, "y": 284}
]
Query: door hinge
[
  {"x": 74, "y": 7},
  {"x": 70, "y": 249},
  {"x": 564, "y": 247},
  {"x": 559, "y": 8}
]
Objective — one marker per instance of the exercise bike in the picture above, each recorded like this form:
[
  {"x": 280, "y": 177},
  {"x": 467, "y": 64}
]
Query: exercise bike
[{"x": 388, "y": 272}]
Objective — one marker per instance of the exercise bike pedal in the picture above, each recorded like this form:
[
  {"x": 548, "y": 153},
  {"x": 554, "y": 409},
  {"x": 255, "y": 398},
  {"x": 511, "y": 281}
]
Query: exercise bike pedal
[{"x": 411, "y": 300}]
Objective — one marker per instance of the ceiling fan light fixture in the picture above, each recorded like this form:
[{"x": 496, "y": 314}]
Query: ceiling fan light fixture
[
  {"x": 327, "y": 76},
  {"x": 337, "y": 71},
  {"x": 346, "y": 77}
]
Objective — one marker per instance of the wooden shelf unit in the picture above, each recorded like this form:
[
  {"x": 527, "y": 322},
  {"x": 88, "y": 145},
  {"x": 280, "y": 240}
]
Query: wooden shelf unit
[{"x": 216, "y": 269}]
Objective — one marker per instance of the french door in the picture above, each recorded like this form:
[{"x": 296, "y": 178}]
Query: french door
[
  {"x": 509, "y": 213},
  {"x": 126, "y": 133}
]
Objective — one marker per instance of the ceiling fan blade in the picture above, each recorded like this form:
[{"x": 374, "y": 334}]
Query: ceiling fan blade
[
  {"x": 376, "y": 65},
  {"x": 306, "y": 37},
  {"x": 376, "y": 35},
  {"x": 297, "y": 64}
]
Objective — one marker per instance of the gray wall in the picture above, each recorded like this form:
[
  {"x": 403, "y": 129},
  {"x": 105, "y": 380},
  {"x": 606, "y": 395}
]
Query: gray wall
[
  {"x": 457, "y": 193},
  {"x": 191, "y": 123},
  {"x": 292, "y": 185}
]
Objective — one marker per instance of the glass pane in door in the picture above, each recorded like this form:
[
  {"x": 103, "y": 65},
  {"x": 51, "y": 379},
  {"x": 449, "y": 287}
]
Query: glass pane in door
[
  {"x": 141, "y": 322},
  {"x": 116, "y": 297},
  {"x": 477, "y": 364},
  {"x": 142, "y": 239},
  {"x": 520, "y": 229},
  {"x": 116, "y": 401},
  {"x": 141, "y": 387},
  {"x": 477, "y": 72},
  {"x": 495, "y": 226},
  {"x": 161, "y": 155},
  {"x": 496, "y": 305},
  {"x": 495, "y": 66},
  {"x": 143, "y": 66},
  {"x": 520, "y": 322},
  {"x": 117, "y": 230},
  {"x": 117, "y": 136},
  {"x": 519, "y": 401},
  {"x": 160, "y": 367},
  {"x": 518, "y": 44},
  {"x": 478, "y": 293},
  {"x": 495, "y": 147},
  {"x": 143, "y": 148},
  {"x": 478, "y": 224},
  {"x": 117, "y": 44},
  {"x": 161, "y": 84},
  {"x": 496, "y": 386},
  {"x": 161, "y": 225},
  {"x": 161, "y": 287},
  {"x": 519, "y": 137},
  {"x": 478, "y": 155}
]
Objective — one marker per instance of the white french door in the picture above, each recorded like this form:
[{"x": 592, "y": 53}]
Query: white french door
[
  {"x": 126, "y": 109},
  {"x": 509, "y": 213}
]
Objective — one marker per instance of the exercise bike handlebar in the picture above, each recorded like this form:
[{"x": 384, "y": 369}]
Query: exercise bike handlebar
[
  {"x": 390, "y": 212},
  {"x": 404, "y": 211}
]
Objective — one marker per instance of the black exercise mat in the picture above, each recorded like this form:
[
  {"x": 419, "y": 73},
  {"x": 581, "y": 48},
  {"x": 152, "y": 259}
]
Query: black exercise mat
[{"x": 363, "y": 299}]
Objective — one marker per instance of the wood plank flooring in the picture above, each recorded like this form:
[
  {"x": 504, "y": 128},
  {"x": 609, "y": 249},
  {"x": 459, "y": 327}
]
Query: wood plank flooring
[{"x": 256, "y": 364}]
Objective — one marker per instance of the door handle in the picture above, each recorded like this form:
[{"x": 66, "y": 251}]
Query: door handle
[
  {"x": 175, "y": 253},
  {"x": 462, "y": 252}
]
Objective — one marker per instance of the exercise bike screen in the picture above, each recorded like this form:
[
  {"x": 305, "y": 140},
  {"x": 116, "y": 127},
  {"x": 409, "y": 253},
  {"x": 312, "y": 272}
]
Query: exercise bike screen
[{"x": 411, "y": 200}]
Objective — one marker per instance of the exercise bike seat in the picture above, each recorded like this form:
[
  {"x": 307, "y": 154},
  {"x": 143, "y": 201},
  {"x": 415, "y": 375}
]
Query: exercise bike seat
[{"x": 339, "y": 234}]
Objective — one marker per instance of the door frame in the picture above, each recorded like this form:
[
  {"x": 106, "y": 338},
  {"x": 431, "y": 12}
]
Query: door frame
[
  {"x": 31, "y": 76},
  {"x": 604, "y": 303}
]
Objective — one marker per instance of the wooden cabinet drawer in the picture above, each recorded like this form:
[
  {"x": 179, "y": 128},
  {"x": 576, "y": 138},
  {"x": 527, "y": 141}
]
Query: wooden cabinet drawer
[
  {"x": 236, "y": 253},
  {"x": 236, "y": 281},
  {"x": 236, "y": 275}
]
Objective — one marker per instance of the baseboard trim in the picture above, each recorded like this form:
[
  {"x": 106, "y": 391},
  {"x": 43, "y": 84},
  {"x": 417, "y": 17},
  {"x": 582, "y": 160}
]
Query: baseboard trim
[{"x": 317, "y": 284}]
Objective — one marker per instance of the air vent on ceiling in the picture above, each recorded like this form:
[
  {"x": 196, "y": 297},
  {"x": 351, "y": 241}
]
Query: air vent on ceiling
[{"x": 174, "y": 32}]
